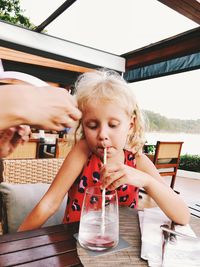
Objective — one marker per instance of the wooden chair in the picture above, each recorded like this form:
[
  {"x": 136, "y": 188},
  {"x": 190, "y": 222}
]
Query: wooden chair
[
  {"x": 166, "y": 159},
  {"x": 63, "y": 147},
  {"x": 25, "y": 151}
]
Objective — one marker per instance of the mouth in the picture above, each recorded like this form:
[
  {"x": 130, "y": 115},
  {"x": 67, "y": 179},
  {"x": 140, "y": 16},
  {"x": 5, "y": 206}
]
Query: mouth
[{"x": 100, "y": 150}]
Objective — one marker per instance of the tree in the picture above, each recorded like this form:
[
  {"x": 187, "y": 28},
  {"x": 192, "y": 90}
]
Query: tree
[
  {"x": 11, "y": 11},
  {"x": 156, "y": 122}
]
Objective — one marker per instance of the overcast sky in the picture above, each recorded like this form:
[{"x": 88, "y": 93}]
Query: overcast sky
[{"x": 174, "y": 96}]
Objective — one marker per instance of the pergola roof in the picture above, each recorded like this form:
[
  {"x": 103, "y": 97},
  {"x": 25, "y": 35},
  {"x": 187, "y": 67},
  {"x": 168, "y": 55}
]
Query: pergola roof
[{"x": 68, "y": 55}]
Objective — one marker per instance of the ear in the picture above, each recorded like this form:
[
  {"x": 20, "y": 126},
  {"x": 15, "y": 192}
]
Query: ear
[{"x": 132, "y": 123}]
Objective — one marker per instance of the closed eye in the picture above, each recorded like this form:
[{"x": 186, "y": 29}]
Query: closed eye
[
  {"x": 114, "y": 125},
  {"x": 92, "y": 125}
]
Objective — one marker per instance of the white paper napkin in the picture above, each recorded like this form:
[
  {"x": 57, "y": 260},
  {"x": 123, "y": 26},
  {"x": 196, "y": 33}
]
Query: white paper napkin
[{"x": 184, "y": 253}]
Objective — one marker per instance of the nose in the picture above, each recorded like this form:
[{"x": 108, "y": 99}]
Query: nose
[{"x": 103, "y": 134}]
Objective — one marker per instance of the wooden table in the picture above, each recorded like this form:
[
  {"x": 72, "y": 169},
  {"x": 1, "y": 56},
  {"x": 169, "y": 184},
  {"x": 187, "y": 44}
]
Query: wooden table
[
  {"x": 56, "y": 246},
  {"x": 49, "y": 246}
]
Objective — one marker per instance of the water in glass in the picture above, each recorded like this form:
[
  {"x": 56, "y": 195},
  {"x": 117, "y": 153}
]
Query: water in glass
[{"x": 97, "y": 232}]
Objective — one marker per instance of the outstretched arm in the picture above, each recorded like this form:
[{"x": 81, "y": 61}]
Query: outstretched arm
[
  {"x": 41, "y": 107},
  {"x": 169, "y": 201},
  {"x": 51, "y": 201}
]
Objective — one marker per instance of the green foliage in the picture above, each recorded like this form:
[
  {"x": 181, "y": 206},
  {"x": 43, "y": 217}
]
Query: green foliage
[
  {"x": 156, "y": 122},
  {"x": 190, "y": 163},
  {"x": 10, "y": 11},
  {"x": 151, "y": 149}
]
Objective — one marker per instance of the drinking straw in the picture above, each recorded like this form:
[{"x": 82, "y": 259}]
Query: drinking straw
[
  {"x": 103, "y": 196},
  {"x": 105, "y": 156}
]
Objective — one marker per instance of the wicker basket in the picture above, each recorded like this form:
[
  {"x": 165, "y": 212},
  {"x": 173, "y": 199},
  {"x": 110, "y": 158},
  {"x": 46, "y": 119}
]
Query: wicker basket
[{"x": 23, "y": 171}]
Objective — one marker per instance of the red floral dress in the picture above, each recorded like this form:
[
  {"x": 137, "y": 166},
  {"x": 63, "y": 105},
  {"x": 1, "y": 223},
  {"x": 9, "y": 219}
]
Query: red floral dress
[{"x": 90, "y": 176}]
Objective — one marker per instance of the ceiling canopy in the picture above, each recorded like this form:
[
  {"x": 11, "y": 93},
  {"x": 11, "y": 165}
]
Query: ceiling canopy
[{"x": 121, "y": 35}]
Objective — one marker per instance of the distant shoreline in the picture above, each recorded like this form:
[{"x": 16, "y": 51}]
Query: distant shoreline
[{"x": 156, "y": 122}]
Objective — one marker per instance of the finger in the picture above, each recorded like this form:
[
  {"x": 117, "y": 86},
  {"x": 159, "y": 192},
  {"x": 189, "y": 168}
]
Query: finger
[
  {"x": 114, "y": 176},
  {"x": 66, "y": 121},
  {"x": 100, "y": 165},
  {"x": 54, "y": 126},
  {"x": 7, "y": 135},
  {"x": 116, "y": 183},
  {"x": 72, "y": 107},
  {"x": 25, "y": 138},
  {"x": 15, "y": 140},
  {"x": 5, "y": 151},
  {"x": 75, "y": 114},
  {"x": 50, "y": 126},
  {"x": 108, "y": 169},
  {"x": 24, "y": 131}
]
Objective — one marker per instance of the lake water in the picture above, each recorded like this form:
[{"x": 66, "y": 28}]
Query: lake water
[{"x": 191, "y": 143}]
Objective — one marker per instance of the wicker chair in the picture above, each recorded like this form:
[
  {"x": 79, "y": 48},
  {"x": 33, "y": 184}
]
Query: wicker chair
[
  {"x": 24, "y": 171},
  {"x": 22, "y": 183}
]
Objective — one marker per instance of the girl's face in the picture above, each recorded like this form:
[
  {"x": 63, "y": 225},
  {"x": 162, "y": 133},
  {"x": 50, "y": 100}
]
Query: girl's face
[{"x": 105, "y": 124}]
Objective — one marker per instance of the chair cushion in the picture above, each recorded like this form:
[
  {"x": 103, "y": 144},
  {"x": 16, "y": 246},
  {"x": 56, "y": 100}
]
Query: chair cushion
[{"x": 19, "y": 199}]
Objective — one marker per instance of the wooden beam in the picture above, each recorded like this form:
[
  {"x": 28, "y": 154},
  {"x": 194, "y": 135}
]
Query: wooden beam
[
  {"x": 14, "y": 55},
  {"x": 55, "y": 14},
  {"x": 188, "y": 8},
  {"x": 47, "y": 46},
  {"x": 180, "y": 45}
]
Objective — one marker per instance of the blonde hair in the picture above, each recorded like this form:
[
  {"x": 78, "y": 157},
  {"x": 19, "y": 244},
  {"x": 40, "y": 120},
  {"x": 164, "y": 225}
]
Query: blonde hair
[{"x": 109, "y": 86}]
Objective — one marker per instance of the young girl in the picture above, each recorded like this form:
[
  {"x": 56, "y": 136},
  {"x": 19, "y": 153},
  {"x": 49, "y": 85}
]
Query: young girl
[{"x": 110, "y": 118}]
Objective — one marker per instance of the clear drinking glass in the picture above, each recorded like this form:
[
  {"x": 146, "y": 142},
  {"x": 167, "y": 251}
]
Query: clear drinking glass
[{"x": 99, "y": 225}]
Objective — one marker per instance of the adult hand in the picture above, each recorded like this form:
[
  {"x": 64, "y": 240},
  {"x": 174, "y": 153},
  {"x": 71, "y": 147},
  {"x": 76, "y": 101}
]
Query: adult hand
[
  {"x": 55, "y": 109},
  {"x": 48, "y": 108},
  {"x": 12, "y": 137}
]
